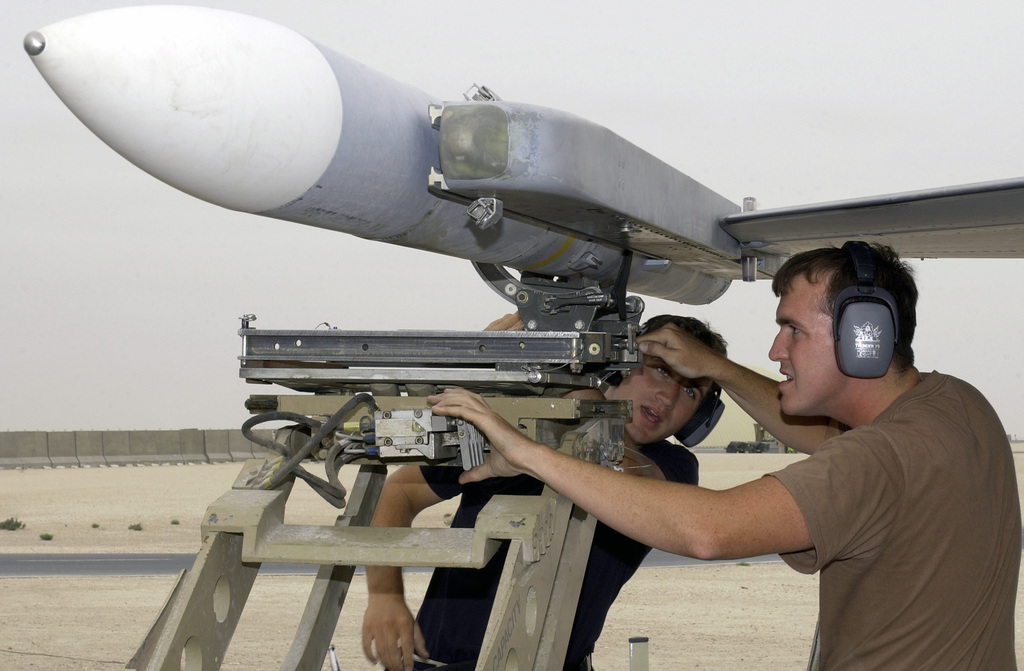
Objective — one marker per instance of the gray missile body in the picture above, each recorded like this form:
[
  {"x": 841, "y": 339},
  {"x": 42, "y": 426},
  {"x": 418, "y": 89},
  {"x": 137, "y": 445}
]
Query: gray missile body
[{"x": 251, "y": 116}]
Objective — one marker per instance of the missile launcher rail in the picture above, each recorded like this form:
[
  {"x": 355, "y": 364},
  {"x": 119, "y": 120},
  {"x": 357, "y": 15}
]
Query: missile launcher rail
[{"x": 321, "y": 361}]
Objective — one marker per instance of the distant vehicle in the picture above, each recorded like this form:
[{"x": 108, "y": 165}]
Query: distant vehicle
[{"x": 753, "y": 446}]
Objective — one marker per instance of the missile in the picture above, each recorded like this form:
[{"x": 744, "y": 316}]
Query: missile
[{"x": 252, "y": 116}]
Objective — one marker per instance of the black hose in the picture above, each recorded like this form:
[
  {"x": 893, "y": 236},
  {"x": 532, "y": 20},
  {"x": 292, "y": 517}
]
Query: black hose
[
  {"x": 338, "y": 453},
  {"x": 326, "y": 428},
  {"x": 328, "y": 492},
  {"x": 275, "y": 416}
]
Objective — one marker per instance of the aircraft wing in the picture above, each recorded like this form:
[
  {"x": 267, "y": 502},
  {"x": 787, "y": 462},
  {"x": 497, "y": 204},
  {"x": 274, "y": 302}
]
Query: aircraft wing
[{"x": 982, "y": 220}]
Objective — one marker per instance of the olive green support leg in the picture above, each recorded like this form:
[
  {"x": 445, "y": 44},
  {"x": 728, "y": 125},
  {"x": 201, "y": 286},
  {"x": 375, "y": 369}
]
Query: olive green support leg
[
  {"x": 323, "y": 608},
  {"x": 200, "y": 617},
  {"x": 536, "y": 598}
]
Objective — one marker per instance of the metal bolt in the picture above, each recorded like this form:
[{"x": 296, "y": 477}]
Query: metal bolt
[{"x": 748, "y": 265}]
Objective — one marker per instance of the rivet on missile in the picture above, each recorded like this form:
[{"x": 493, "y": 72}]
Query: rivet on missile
[
  {"x": 485, "y": 212},
  {"x": 35, "y": 43}
]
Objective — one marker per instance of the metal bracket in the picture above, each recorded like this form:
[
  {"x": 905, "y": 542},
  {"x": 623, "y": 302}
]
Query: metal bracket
[
  {"x": 485, "y": 212},
  {"x": 562, "y": 305},
  {"x": 480, "y": 93}
]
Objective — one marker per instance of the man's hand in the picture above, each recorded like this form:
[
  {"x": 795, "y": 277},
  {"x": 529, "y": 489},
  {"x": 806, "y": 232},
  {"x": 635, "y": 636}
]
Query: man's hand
[
  {"x": 510, "y": 449},
  {"x": 684, "y": 354},
  {"x": 390, "y": 633},
  {"x": 509, "y": 322}
]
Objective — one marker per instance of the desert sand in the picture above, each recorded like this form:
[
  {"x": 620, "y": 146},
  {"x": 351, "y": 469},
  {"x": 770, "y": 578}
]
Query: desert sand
[{"x": 732, "y": 616}]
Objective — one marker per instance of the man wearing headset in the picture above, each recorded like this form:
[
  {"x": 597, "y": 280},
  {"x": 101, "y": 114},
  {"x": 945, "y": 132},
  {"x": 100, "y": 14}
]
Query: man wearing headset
[
  {"x": 451, "y": 622},
  {"x": 907, "y": 504}
]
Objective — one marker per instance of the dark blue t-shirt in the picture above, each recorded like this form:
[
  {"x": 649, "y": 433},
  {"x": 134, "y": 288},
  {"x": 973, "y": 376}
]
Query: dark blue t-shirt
[{"x": 457, "y": 605}]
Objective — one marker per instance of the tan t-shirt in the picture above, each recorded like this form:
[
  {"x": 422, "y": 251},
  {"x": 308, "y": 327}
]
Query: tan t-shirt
[{"x": 916, "y": 526}]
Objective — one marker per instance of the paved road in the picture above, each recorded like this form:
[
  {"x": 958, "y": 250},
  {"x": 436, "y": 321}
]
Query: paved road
[{"x": 49, "y": 565}]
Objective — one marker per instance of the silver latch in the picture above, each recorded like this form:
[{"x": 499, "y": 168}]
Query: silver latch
[
  {"x": 485, "y": 212},
  {"x": 480, "y": 93}
]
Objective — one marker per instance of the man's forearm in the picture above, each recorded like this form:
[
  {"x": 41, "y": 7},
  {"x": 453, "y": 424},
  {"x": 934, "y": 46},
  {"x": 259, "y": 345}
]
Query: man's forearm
[
  {"x": 758, "y": 517},
  {"x": 758, "y": 396},
  {"x": 393, "y": 510},
  {"x": 385, "y": 580},
  {"x": 754, "y": 518}
]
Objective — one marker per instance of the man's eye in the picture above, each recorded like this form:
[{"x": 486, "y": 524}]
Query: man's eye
[
  {"x": 690, "y": 391},
  {"x": 664, "y": 371}
]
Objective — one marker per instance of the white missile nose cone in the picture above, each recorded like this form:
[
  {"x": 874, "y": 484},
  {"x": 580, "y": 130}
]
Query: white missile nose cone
[{"x": 232, "y": 109}]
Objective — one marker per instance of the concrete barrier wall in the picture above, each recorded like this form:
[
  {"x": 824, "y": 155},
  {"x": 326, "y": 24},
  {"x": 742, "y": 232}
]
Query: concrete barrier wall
[
  {"x": 154, "y": 447},
  {"x": 217, "y": 445},
  {"x": 89, "y": 448},
  {"x": 12, "y": 447},
  {"x": 60, "y": 447},
  {"x": 193, "y": 446},
  {"x": 70, "y": 449},
  {"x": 116, "y": 448},
  {"x": 23, "y": 449},
  {"x": 239, "y": 447}
]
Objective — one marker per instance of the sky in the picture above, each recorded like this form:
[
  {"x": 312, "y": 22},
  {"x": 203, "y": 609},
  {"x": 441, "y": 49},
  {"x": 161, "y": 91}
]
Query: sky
[{"x": 120, "y": 297}]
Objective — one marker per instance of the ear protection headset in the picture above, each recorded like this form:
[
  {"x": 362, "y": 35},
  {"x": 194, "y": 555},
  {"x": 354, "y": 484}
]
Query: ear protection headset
[
  {"x": 704, "y": 418},
  {"x": 703, "y": 421},
  {"x": 865, "y": 322}
]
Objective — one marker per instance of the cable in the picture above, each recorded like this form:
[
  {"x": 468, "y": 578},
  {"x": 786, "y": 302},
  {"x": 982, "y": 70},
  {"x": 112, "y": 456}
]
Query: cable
[
  {"x": 326, "y": 428},
  {"x": 274, "y": 416},
  {"x": 288, "y": 466}
]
